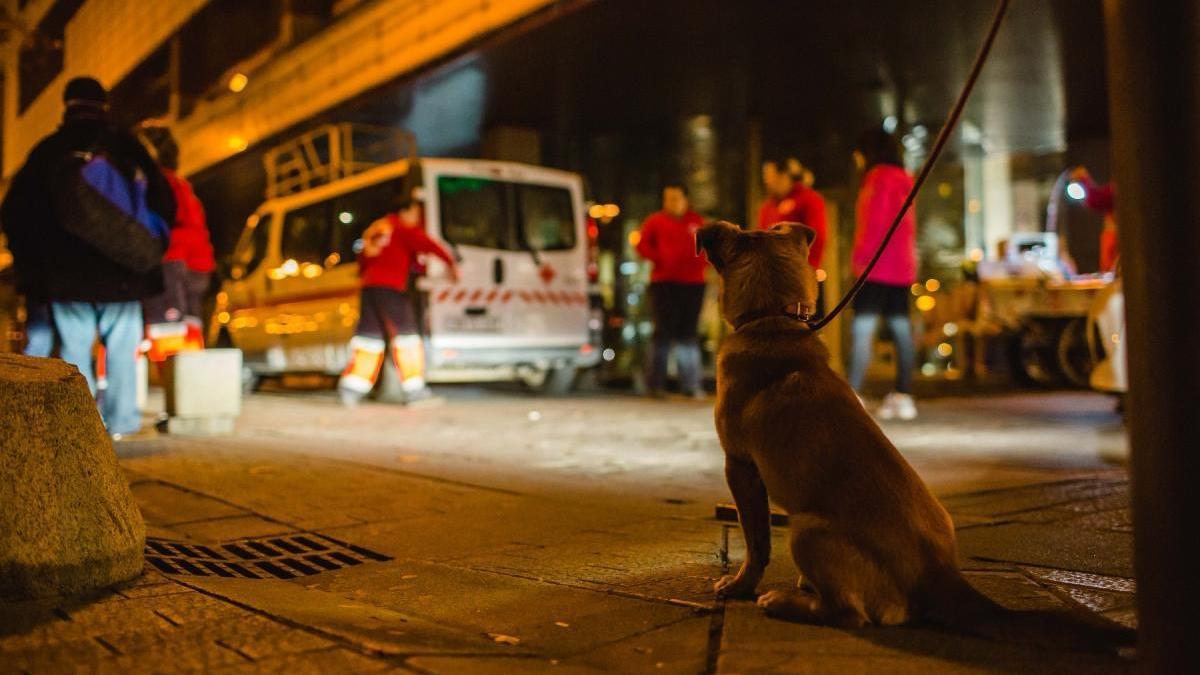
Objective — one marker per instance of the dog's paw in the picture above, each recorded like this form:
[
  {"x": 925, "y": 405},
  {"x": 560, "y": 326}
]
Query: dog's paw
[
  {"x": 773, "y": 601},
  {"x": 788, "y": 605},
  {"x": 735, "y": 586}
]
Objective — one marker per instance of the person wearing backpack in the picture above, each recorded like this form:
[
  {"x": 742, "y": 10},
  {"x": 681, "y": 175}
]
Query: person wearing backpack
[{"x": 93, "y": 207}]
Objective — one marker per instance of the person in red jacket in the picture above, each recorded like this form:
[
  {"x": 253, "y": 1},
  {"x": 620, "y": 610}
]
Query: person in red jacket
[
  {"x": 391, "y": 246},
  {"x": 791, "y": 200},
  {"x": 885, "y": 184},
  {"x": 668, "y": 241},
  {"x": 1103, "y": 200},
  {"x": 174, "y": 318}
]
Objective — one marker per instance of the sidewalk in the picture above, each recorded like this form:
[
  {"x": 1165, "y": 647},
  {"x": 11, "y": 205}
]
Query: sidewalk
[{"x": 359, "y": 568}]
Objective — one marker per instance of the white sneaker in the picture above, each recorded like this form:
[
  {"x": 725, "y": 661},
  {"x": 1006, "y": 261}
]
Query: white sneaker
[{"x": 897, "y": 406}]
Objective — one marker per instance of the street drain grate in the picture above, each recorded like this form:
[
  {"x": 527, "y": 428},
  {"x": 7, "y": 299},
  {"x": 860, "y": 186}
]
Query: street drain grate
[{"x": 284, "y": 557}]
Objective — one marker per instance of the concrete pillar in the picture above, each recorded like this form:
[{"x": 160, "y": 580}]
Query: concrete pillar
[
  {"x": 997, "y": 198},
  {"x": 1154, "y": 96},
  {"x": 972, "y": 160}
]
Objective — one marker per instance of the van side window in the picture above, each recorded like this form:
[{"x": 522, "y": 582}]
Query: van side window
[
  {"x": 252, "y": 247},
  {"x": 547, "y": 217},
  {"x": 474, "y": 211},
  {"x": 353, "y": 212},
  {"x": 307, "y": 234}
]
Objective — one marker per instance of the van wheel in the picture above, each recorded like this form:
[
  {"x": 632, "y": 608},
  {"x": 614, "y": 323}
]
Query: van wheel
[{"x": 559, "y": 381}]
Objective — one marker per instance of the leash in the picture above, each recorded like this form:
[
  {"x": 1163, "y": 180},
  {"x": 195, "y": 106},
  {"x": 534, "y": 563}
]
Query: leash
[{"x": 938, "y": 145}]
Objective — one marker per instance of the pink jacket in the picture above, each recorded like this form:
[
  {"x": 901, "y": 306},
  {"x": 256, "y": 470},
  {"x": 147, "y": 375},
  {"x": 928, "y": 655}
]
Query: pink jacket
[{"x": 880, "y": 195}]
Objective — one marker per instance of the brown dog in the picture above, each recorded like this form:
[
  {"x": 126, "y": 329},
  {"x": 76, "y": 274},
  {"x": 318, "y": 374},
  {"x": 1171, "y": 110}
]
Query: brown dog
[{"x": 872, "y": 543}]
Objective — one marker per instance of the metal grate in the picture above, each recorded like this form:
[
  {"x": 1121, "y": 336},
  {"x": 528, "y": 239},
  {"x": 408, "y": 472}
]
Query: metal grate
[{"x": 284, "y": 557}]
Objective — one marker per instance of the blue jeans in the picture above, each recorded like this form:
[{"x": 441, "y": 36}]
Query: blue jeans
[
  {"x": 862, "y": 332},
  {"x": 39, "y": 330},
  {"x": 687, "y": 359},
  {"x": 119, "y": 325}
]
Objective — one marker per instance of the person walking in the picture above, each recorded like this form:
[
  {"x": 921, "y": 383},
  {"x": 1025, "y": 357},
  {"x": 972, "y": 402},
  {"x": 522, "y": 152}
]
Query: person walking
[
  {"x": 188, "y": 264},
  {"x": 391, "y": 246},
  {"x": 97, "y": 206},
  {"x": 668, "y": 241},
  {"x": 883, "y": 188},
  {"x": 791, "y": 199}
]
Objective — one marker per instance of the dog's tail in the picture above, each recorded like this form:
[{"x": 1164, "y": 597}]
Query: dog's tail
[{"x": 958, "y": 606}]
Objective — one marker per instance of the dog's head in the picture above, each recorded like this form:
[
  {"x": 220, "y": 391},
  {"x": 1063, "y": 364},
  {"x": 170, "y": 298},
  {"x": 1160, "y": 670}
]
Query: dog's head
[{"x": 762, "y": 271}]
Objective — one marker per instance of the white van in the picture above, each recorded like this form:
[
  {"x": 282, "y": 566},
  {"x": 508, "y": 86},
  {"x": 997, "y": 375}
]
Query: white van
[{"x": 519, "y": 311}]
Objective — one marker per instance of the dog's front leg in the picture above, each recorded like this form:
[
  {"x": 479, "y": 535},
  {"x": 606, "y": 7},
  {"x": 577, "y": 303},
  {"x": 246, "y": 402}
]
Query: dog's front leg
[{"x": 754, "y": 514}]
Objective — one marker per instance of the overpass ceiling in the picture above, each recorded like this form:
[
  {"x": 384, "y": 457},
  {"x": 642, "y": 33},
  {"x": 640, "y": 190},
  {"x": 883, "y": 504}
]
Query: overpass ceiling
[{"x": 814, "y": 69}]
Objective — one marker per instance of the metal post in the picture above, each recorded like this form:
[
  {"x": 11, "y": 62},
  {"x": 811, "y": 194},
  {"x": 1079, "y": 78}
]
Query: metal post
[{"x": 1154, "y": 94}]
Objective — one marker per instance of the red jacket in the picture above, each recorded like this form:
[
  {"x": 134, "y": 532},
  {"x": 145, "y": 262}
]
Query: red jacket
[
  {"x": 882, "y": 191},
  {"x": 391, "y": 250},
  {"x": 1103, "y": 199},
  {"x": 670, "y": 244},
  {"x": 189, "y": 234},
  {"x": 804, "y": 205}
]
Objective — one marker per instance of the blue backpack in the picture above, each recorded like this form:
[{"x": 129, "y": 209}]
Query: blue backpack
[
  {"x": 108, "y": 210},
  {"x": 129, "y": 196}
]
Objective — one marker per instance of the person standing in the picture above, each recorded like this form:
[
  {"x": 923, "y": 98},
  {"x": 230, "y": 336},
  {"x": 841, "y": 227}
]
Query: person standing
[
  {"x": 668, "y": 241},
  {"x": 97, "y": 206},
  {"x": 883, "y": 188},
  {"x": 386, "y": 314},
  {"x": 30, "y": 266},
  {"x": 790, "y": 199},
  {"x": 1103, "y": 200},
  {"x": 188, "y": 263}
]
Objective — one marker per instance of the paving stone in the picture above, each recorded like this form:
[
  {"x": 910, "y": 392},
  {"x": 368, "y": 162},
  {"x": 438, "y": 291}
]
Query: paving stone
[
  {"x": 680, "y": 647},
  {"x": 1084, "y": 550},
  {"x": 83, "y": 655},
  {"x": 262, "y": 638},
  {"x": 163, "y": 504},
  {"x": 154, "y": 590},
  {"x": 191, "y": 608},
  {"x": 1095, "y": 600},
  {"x": 360, "y": 620},
  {"x": 1098, "y": 581},
  {"x": 261, "y": 482},
  {"x": 1125, "y": 617},
  {"x": 1013, "y": 590},
  {"x": 481, "y": 603},
  {"x": 1016, "y": 500},
  {"x": 742, "y": 661},
  {"x": 230, "y": 528},
  {"x": 313, "y": 662},
  {"x": 446, "y": 665},
  {"x": 1119, "y": 520}
]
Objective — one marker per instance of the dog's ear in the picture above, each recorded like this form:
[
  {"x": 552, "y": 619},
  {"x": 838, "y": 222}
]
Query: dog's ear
[
  {"x": 800, "y": 229},
  {"x": 716, "y": 240}
]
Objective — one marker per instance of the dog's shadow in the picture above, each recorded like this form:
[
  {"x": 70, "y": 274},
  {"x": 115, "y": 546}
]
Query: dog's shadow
[{"x": 939, "y": 645}]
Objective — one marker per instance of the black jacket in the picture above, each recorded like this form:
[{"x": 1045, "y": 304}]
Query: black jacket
[{"x": 52, "y": 264}]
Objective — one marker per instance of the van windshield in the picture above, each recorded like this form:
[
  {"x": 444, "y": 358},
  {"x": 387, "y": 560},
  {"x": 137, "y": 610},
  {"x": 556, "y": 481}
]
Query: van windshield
[{"x": 506, "y": 215}]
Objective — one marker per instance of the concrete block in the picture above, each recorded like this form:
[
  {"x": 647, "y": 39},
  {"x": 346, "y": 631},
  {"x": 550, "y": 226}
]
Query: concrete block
[
  {"x": 68, "y": 522},
  {"x": 200, "y": 426},
  {"x": 204, "y": 383}
]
